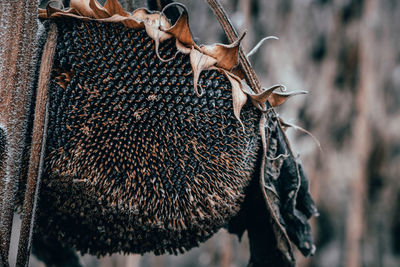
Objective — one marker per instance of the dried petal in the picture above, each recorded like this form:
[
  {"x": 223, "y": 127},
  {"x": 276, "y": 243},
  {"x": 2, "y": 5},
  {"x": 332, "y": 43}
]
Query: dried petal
[
  {"x": 259, "y": 100},
  {"x": 181, "y": 30},
  {"x": 153, "y": 23},
  {"x": 199, "y": 62},
  {"x": 82, "y": 7},
  {"x": 127, "y": 21},
  {"x": 226, "y": 55},
  {"x": 113, "y": 7},
  {"x": 237, "y": 71},
  {"x": 182, "y": 48},
  {"x": 239, "y": 98},
  {"x": 278, "y": 98},
  {"x": 98, "y": 10},
  {"x": 69, "y": 13},
  {"x": 262, "y": 97}
]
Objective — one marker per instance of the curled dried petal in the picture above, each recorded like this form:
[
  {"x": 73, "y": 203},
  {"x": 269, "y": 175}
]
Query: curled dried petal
[
  {"x": 114, "y": 7},
  {"x": 49, "y": 10},
  {"x": 157, "y": 27},
  {"x": 259, "y": 99},
  {"x": 127, "y": 21},
  {"x": 278, "y": 98},
  {"x": 181, "y": 30},
  {"x": 98, "y": 10},
  {"x": 226, "y": 55},
  {"x": 82, "y": 7},
  {"x": 199, "y": 62},
  {"x": 182, "y": 48},
  {"x": 239, "y": 98}
]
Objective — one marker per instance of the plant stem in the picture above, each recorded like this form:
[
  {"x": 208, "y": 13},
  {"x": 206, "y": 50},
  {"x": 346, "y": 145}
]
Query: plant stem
[{"x": 232, "y": 35}]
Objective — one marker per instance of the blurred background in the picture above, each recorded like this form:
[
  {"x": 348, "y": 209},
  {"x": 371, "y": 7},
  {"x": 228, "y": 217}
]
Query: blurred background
[{"x": 346, "y": 53}]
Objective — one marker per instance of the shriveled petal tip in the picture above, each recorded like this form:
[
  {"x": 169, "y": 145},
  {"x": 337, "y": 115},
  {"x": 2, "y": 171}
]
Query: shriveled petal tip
[
  {"x": 98, "y": 10},
  {"x": 82, "y": 7},
  {"x": 114, "y": 7},
  {"x": 278, "y": 98},
  {"x": 239, "y": 98},
  {"x": 182, "y": 48},
  {"x": 181, "y": 30},
  {"x": 262, "y": 97},
  {"x": 153, "y": 23},
  {"x": 140, "y": 14},
  {"x": 151, "y": 18},
  {"x": 227, "y": 55},
  {"x": 199, "y": 62}
]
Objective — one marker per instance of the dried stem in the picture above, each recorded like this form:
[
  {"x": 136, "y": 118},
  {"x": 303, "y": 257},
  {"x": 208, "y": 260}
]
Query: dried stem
[
  {"x": 37, "y": 150},
  {"x": 18, "y": 24},
  {"x": 232, "y": 35},
  {"x": 283, "y": 243}
]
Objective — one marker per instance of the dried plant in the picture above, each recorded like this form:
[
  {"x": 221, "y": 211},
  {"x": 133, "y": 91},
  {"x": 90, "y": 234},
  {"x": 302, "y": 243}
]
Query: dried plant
[{"x": 147, "y": 141}]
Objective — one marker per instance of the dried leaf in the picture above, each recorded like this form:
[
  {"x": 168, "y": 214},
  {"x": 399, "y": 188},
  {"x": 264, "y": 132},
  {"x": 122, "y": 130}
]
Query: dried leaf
[{"x": 199, "y": 62}]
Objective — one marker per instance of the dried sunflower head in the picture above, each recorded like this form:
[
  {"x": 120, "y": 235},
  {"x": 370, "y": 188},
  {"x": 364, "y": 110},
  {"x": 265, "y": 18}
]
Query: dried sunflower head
[
  {"x": 145, "y": 151},
  {"x": 152, "y": 142}
]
